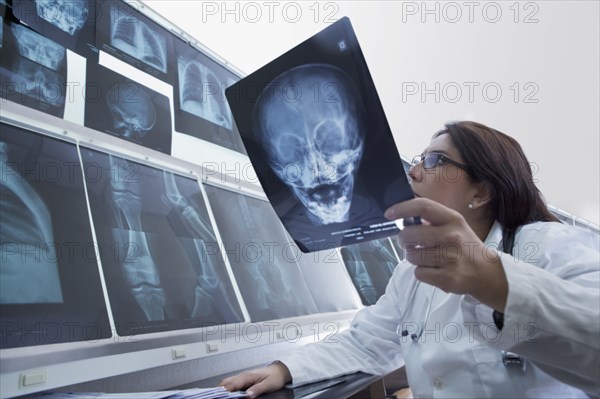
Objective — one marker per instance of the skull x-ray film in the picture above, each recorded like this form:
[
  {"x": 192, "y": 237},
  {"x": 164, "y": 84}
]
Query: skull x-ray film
[
  {"x": 71, "y": 23},
  {"x": 33, "y": 69},
  {"x": 370, "y": 266},
  {"x": 126, "y": 109},
  {"x": 50, "y": 289},
  {"x": 162, "y": 264},
  {"x": 127, "y": 34},
  {"x": 201, "y": 109},
  {"x": 316, "y": 133},
  {"x": 264, "y": 262}
]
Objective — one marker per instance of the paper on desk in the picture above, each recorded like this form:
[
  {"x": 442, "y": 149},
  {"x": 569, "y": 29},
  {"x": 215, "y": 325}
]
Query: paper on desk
[{"x": 195, "y": 393}]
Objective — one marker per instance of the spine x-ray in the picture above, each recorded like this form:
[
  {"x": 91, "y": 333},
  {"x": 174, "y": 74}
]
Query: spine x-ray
[
  {"x": 49, "y": 273},
  {"x": 320, "y": 143},
  {"x": 71, "y": 23},
  {"x": 201, "y": 109},
  {"x": 129, "y": 35},
  {"x": 126, "y": 109},
  {"x": 161, "y": 259},
  {"x": 33, "y": 69},
  {"x": 370, "y": 266},
  {"x": 264, "y": 262}
]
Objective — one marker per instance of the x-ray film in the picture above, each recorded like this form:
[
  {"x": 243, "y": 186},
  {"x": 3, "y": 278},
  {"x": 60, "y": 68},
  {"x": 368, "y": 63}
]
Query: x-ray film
[
  {"x": 126, "y": 109},
  {"x": 70, "y": 23},
  {"x": 264, "y": 262},
  {"x": 33, "y": 69},
  {"x": 201, "y": 109},
  {"x": 50, "y": 288},
  {"x": 316, "y": 133},
  {"x": 134, "y": 38},
  {"x": 162, "y": 263},
  {"x": 370, "y": 265}
]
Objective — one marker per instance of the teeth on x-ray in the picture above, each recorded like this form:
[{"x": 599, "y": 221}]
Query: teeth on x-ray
[
  {"x": 133, "y": 112},
  {"x": 38, "y": 48},
  {"x": 26, "y": 225},
  {"x": 359, "y": 274},
  {"x": 209, "y": 292},
  {"x": 322, "y": 138},
  {"x": 139, "y": 269},
  {"x": 202, "y": 93},
  {"x": 67, "y": 15},
  {"x": 135, "y": 38},
  {"x": 38, "y": 82}
]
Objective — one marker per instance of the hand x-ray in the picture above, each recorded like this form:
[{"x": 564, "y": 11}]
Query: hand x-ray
[
  {"x": 160, "y": 256},
  {"x": 126, "y": 109},
  {"x": 370, "y": 266},
  {"x": 201, "y": 109},
  {"x": 71, "y": 23},
  {"x": 49, "y": 273},
  {"x": 33, "y": 69},
  {"x": 264, "y": 262},
  {"x": 319, "y": 140},
  {"x": 134, "y": 38}
]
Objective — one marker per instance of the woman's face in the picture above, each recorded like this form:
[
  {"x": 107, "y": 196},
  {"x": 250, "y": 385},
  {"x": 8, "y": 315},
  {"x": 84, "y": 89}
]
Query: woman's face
[{"x": 445, "y": 183}]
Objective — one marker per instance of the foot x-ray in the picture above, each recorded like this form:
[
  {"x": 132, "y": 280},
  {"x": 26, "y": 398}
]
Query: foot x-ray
[
  {"x": 49, "y": 273},
  {"x": 126, "y": 109},
  {"x": 160, "y": 256},
  {"x": 134, "y": 38},
  {"x": 370, "y": 266},
  {"x": 264, "y": 262},
  {"x": 71, "y": 23},
  {"x": 201, "y": 109},
  {"x": 320, "y": 143},
  {"x": 33, "y": 70}
]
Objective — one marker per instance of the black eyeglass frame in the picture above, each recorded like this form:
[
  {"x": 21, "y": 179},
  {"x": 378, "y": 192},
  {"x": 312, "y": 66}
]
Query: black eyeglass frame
[{"x": 440, "y": 159}]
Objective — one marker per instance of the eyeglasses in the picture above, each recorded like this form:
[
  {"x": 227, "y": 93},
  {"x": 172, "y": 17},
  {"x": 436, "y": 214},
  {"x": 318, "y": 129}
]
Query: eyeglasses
[{"x": 434, "y": 159}]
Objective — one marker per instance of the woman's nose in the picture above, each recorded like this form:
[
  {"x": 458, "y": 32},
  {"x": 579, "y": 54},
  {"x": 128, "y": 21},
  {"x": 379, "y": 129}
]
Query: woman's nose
[{"x": 415, "y": 173}]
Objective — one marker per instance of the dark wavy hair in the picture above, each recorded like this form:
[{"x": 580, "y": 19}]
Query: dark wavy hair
[{"x": 497, "y": 159}]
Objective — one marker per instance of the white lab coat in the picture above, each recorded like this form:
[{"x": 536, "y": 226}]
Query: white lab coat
[{"x": 455, "y": 355}]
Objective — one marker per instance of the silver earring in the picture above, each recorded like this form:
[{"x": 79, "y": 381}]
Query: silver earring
[{"x": 470, "y": 206}]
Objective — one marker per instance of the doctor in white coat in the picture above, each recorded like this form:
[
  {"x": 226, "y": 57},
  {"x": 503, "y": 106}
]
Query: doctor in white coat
[{"x": 450, "y": 313}]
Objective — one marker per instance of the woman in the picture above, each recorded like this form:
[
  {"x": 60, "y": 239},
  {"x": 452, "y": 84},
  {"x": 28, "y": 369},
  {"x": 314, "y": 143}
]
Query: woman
[{"x": 443, "y": 315}]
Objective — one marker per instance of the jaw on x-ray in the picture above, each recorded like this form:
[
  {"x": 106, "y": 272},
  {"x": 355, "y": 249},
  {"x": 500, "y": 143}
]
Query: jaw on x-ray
[
  {"x": 310, "y": 122},
  {"x": 132, "y": 110},
  {"x": 67, "y": 15}
]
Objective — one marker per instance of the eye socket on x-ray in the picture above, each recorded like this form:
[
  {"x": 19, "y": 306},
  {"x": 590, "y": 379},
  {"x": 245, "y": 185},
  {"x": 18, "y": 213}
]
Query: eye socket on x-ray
[{"x": 67, "y": 15}]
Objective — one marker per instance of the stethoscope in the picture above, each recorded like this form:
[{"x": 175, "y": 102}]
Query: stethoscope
[{"x": 409, "y": 306}]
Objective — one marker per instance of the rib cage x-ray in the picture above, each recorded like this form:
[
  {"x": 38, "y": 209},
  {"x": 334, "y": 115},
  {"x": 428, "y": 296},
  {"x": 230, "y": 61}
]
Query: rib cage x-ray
[
  {"x": 370, "y": 266},
  {"x": 309, "y": 121},
  {"x": 67, "y": 15},
  {"x": 201, "y": 93},
  {"x": 136, "y": 38},
  {"x": 267, "y": 273},
  {"x": 26, "y": 229},
  {"x": 169, "y": 272}
]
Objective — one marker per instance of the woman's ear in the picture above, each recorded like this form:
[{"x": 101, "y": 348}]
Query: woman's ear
[{"x": 483, "y": 194}]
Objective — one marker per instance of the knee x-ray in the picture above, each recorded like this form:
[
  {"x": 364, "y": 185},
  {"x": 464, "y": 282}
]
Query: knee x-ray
[
  {"x": 71, "y": 23},
  {"x": 264, "y": 262},
  {"x": 315, "y": 131},
  {"x": 370, "y": 266},
  {"x": 49, "y": 273},
  {"x": 33, "y": 69},
  {"x": 129, "y": 35},
  {"x": 128, "y": 110},
  {"x": 161, "y": 259}
]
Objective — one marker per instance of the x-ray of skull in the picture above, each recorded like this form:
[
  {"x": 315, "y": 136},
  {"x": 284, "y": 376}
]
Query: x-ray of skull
[{"x": 310, "y": 122}]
